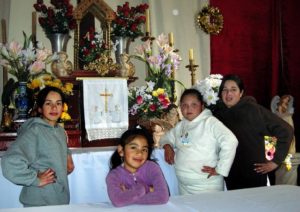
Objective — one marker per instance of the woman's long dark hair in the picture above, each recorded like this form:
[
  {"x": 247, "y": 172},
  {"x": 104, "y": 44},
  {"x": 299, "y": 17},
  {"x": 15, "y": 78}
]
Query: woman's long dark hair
[{"x": 126, "y": 138}]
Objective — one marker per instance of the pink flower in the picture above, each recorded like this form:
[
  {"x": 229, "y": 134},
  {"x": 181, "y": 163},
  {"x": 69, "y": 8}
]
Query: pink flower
[
  {"x": 42, "y": 54},
  {"x": 37, "y": 67},
  {"x": 270, "y": 153},
  {"x": 15, "y": 48}
]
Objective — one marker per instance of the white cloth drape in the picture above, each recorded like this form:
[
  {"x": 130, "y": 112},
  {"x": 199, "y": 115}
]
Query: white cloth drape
[{"x": 105, "y": 107}]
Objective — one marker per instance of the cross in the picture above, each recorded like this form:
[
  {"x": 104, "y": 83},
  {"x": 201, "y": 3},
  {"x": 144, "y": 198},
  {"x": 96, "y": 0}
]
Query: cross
[{"x": 105, "y": 95}]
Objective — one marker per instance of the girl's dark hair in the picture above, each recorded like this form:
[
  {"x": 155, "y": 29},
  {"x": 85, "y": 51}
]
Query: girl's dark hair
[
  {"x": 232, "y": 77},
  {"x": 41, "y": 97},
  {"x": 126, "y": 138},
  {"x": 192, "y": 91}
]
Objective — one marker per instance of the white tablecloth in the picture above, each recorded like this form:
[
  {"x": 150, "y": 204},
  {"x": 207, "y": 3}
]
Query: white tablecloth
[
  {"x": 283, "y": 198},
  {"x": 87, "y": 182}
]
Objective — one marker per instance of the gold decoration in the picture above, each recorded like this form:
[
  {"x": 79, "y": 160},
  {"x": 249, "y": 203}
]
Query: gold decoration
[
  {"x": 210, "y": 20},
  {"x": 104, "y": 66}
]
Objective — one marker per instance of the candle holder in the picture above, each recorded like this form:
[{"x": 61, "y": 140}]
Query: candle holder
[
  {"x": 148, "y": 37},
  {"x": 192, "y": 67}
]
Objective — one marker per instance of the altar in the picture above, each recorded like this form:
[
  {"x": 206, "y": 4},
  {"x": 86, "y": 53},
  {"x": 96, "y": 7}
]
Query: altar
[{"x": 87, "y": 182}]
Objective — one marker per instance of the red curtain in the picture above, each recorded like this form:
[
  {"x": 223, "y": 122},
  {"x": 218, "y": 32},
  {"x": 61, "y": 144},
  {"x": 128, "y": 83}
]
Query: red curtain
[{"x": 259, "y": 42}]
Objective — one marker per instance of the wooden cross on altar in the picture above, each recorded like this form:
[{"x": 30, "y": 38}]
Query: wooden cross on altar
[{"x": 105, "y": 95}]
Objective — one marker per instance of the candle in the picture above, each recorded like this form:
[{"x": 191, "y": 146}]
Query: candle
[
  {"x": 171, "y": 39},
  {"x": 148, "y": 20},
  {"x": 191, "y": 54},
  {"x": 33, "y": 24}
]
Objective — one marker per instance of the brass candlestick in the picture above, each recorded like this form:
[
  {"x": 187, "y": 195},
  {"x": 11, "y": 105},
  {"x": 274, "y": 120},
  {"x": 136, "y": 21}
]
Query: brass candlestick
[{"x": 192, "y": 67}]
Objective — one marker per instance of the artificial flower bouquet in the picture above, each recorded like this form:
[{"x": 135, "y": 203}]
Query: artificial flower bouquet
[
  {"x": 129, "y": 21},
  {"x": 57, "y": 18},
  {"x": 270, "y": 146},
  {"x": 23, "y": 61},
  {"x": 147, "y": 102},
  {"x": 161, "y": 65},
  {"x": 92, "y": 46},
  {"x": 209, "y": 88}
]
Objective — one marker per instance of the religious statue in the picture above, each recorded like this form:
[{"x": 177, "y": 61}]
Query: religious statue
[
  {"x": 283, "y": 107},
  {"x": 172, "y": 116},
  {"x": 127, "y": 68},
  {"x": 62, "y": 67},
  {"x": 159, "y": 127}
]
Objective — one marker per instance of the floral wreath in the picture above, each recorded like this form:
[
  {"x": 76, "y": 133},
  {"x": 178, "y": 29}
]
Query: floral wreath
[{"x": 210, "y": 20}]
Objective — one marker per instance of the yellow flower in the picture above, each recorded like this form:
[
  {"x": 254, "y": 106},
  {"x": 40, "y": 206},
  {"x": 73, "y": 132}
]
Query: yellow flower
[
  {"x": 65, "y": 108},
  {"x": 160, "y": 91},
  {"x": 65, "y": 116},
  {"x": 154, "y": 93},
  {"x": 47, "y": 77},
  {"x": 68, "y": 88},
  {"x": 35, "y": 83}
]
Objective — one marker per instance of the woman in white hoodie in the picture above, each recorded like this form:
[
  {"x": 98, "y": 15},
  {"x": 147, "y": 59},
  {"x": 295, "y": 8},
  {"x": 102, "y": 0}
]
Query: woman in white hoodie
[{"x": 205, "y": 148}]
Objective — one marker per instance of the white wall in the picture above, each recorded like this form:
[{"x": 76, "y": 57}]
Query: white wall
[{"x": 175, "y": 16}]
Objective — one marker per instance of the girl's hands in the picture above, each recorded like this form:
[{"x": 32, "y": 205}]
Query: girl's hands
[
  {"x": 264, "y": 168},
  {"x": 46, "y": 177},
  {"x": 210, "y": 170},
  {"x": 169, "y": 154}
]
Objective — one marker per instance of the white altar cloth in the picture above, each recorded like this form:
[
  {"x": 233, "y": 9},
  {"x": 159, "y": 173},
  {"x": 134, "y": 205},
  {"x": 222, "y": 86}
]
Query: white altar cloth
[
  {"x": 263, "y": 199},
  {"x": 87, "y": 182}
]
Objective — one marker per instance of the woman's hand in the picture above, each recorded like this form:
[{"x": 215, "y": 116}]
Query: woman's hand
[
  {"x": 264, "y": 168},
  {"x": 210, "y": 170},
  {"x": 169, "y": 154},
  {"x": 70, "y": 164},
  {"x": 46, "y": 177}
]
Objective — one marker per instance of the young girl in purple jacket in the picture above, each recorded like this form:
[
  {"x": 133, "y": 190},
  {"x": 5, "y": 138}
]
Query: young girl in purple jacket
[{"x": 134, "y": 178}]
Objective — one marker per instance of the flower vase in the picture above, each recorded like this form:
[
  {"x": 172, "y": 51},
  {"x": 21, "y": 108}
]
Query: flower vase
[
  {"x": 62, "y": 67},
  {"x": 122, "y": 46},
  {"x": 22, "y": 101},
  {"x": 59, "y": 41}
]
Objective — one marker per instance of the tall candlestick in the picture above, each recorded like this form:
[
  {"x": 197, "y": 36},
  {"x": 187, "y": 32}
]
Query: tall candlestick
[
  {"x": 191, "y": 54},
  {"x": 148, "y": 21},
  {"x": 171, "y": 39}
]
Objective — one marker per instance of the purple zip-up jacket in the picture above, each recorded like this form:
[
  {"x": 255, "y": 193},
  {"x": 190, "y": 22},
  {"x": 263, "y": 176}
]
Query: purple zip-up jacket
[{"x": 137, "y": 185}]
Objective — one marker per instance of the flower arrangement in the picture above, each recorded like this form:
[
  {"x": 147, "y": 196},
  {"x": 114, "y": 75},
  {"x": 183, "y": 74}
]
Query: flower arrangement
[
  {"x": 159, "y": 66},
  {"x": 147, "y": 102},
  {"x": 24, "y": 61},
  {"x": 57, "y": 18},
  {"x": 46, "y": 79},
  {"x": 270, "y": 146},
  {"x": 92, "y": 46},
  {"x": 209, "y": 88},
  {"x": 129, "y": 20}
]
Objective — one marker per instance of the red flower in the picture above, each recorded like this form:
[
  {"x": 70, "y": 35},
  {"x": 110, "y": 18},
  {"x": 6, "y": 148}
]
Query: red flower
[
  {"x": 139, "y": 100},
  {"x": 61, "y": 15},
  {"x": 128, "y": 20},
  {"x": 152, "y": 107}
]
